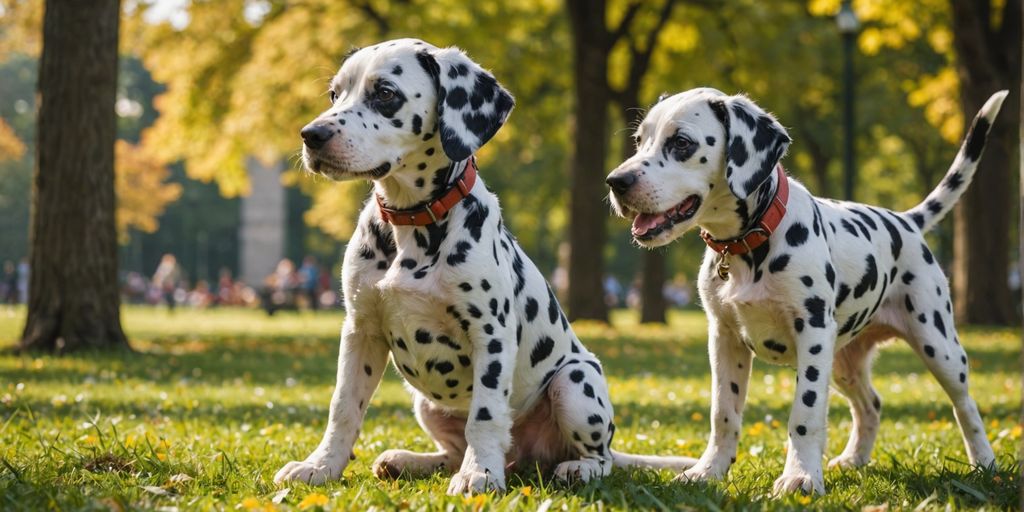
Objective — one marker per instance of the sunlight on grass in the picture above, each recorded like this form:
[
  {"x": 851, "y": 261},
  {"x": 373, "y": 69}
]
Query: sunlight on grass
[{"x": 216, "y": 401}]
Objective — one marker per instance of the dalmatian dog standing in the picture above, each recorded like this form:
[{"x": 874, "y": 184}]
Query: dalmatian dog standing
[
  {"x": 434, "y": 279},
  {"x": 795, "y": 279}
]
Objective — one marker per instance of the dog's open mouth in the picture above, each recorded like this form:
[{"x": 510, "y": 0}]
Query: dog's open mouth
[{"x": 649, "y": 225}]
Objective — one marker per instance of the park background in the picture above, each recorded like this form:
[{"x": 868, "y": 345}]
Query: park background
[{"x": 210, "y": 96}]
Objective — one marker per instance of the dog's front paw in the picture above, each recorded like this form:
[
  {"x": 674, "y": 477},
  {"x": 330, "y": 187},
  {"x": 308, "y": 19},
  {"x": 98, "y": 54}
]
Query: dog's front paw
[
  {"x": 702, "y": 472},
  {"x": 314, "y": 470},
  {"x": 848, "y": 461},
  {"x": 581, "y": 470},
  {"x": 475, "y": 481},
  {"x": 801, "y": 481}
]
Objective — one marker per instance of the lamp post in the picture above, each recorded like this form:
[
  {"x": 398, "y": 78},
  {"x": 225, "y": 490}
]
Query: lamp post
[{"x": 848, "y": 25}]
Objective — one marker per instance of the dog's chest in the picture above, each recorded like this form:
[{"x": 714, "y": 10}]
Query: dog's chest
[
  {"x": 765, "y": 331},
  {"x": 428, "y": 346}
]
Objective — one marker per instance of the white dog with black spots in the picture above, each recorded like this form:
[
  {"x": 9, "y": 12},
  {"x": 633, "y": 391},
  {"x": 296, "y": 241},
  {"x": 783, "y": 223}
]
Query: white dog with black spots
[
  {"x": 829, "y": 283},
  {"x": 496, "y": 373}
]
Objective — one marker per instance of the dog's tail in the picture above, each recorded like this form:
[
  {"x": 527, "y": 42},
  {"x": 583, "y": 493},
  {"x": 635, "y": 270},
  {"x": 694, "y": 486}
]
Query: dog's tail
[
  {"x": 628, "y": 460},
  {"x": 941, "y": 200}
]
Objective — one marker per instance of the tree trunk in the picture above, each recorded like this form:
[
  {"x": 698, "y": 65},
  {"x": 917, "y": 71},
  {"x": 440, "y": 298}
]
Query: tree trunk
[
  {"x": 73, "y": 290},
  {"x": 988, "y": 60},
  {"x": 587, "y": 210}
]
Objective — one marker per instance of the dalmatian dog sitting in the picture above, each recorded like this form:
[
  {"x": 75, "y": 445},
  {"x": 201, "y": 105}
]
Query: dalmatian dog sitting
[
  {"x": 435, "y": 280},
  {"x": 797, "y": 280}
]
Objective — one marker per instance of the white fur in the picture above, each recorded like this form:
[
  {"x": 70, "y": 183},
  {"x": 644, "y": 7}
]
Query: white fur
[
  {"x": 807, "y": 298},
  {"x": 497, "y": 375}
]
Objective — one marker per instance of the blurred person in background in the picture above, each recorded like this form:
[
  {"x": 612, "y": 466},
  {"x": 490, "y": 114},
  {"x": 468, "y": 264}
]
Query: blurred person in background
[
  {"x": 309, "y": 280},
  {"x": 167, "y": 278},
  {"x": 9, "y": 288},
  {"x": 23, "y": 272}
]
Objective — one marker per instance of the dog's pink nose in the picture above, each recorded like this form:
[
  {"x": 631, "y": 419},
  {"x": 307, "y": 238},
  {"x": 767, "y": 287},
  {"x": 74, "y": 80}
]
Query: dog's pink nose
[{"x": 315, "y": 135}]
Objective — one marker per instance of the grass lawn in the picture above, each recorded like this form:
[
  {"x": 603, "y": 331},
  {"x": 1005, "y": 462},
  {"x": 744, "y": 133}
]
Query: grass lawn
[{"x": 216, "y": 401}]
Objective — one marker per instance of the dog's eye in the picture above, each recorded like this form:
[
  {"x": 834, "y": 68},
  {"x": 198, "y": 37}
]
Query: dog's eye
[
  {"x": 385, "y": 94},
  {"x": 333, "y": 96},
  {"x": 681, "y": 142}
]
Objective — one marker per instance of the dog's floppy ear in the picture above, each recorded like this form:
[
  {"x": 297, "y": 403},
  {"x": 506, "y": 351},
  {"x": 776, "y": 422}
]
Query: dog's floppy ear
[
  {"x": 755, "y": 142},
  {"x": 471, "y": 104}
]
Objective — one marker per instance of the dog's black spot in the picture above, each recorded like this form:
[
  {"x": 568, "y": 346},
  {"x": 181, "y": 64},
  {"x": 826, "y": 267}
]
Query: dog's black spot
[
  {"x": 963, "y": 378},
  {"x": 485, "y": 285},
  {"x": 796, "y": 235},
  {"x": 541, "y": 350},
  {"x": 737, "y": 152},
  {"x": 490, "y": 378},
  {"x": 775, "y": 346},
  {"x": 869, "y": 280},
  {"x": 922, "y": 318},
  {"x": 368, "y": 370},
  {"x": 482, "y": 414},
  {"x": 474, "y": 311},
  {"x": 397, "y": 123},
  {"x": 798, "y": 324},
  {"x": 815, "y": 350},
  {"x": 466, "y": 287},
  {"x": 811, "y": 373},
  {"x": 908, "y": 303},
  {"x": 576, "y": 376},
  {"x": 464, "y": 360},
  {"x": 844, "y": 291},
  {"x": 588, "y": 390},
  {"x": 954, "y": 180},
  {"x": 802, "y": 430},
  {"x": 420, "y": 182},
  {"x": 976, "y": 139},
  {"x": 809, "y": 397},
  {"x": 710, "y": 140},
  {"x": 408, "y": 263},
  {"x": 937, "y": 319},
  {"x": 929, "y": 350},
  {"x": 807, "y": 280},
  {"x": 778, "y": 263},
  {"x": 417, "y": 128},
  {"x": 459, "y": 255},
  {"x": 933, "y": 206},
  {"x": 927, "y": 254},
  {"x": 423, "y": 336},
  {"x": 734, "y": 387},
  {"x": 847, "y": 325},
  {"x": 816, "y": 308},
  {"x": 494, "y": 347},
  {"x": 595, "y": 419}
]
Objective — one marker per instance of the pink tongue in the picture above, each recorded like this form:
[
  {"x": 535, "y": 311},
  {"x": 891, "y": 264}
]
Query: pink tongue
[{"x": 646, "y": 221}]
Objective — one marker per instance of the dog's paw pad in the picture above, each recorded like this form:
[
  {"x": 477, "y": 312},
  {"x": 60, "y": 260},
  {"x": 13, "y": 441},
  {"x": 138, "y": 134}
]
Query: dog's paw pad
[{"x": 845, "y": 461}]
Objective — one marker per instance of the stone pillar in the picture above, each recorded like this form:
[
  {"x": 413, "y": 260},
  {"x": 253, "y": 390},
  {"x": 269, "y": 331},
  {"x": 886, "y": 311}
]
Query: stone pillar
[{"x": 262, "y": 233}]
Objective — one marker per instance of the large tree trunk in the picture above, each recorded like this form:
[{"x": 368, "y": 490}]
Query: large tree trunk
[
  {"x": 587, "y": 210},
  {"x": 988, "y": 60},
  {"x": 73, "y": 290}
]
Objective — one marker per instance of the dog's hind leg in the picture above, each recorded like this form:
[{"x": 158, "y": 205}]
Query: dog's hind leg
[
  {"x": 932, "y": 334},
  {"x": 579, "y": 399},
  {"x": 851, "y": 373},
  {"x": 447, "y": 432}
]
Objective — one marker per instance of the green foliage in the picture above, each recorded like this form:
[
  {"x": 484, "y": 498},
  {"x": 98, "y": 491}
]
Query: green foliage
[{"x": 218, "y": 400}]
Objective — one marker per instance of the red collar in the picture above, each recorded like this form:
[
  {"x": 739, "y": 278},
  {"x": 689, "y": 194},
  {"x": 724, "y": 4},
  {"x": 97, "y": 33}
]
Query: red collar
[
  {"x": 436, "y": 209},
  {"x": 760, "y": 233}
]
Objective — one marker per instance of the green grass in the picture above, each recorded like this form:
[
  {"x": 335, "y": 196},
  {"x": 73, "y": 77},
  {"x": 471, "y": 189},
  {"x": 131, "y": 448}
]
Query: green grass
[{"x": 216, "y": 401}]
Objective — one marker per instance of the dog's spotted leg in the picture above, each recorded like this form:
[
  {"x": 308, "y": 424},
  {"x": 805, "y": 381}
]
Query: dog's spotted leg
[
  {"x": 852, "y": 376},
  {"x": 932, "y": 334},
  {"x": 815, "y": 342},
  {"x": 447, "y": 432},
  {"x": 361, "y": 362},
  {"x": 730, "y": 375},
  {"x": 579, "y": 398},
  {"x": 489, "y": 424}
]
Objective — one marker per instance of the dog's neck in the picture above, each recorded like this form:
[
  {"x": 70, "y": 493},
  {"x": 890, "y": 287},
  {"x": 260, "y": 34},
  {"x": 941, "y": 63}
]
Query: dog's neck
[
  {"x": 732, "y": 217},
  {"x": 421, "y": 177}
]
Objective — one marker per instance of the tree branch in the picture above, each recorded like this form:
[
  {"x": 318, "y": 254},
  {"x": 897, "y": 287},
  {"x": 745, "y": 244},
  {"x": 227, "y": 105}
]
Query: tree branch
[
  {"x": 623, "y": 28},
  {"x": 383, "y": 26}
]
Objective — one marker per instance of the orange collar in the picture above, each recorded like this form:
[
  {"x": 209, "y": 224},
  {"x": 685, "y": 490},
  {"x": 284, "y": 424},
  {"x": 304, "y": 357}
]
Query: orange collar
[
  {"x": 436, "y": 209},
  {"x": 760, "y": 233}
]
